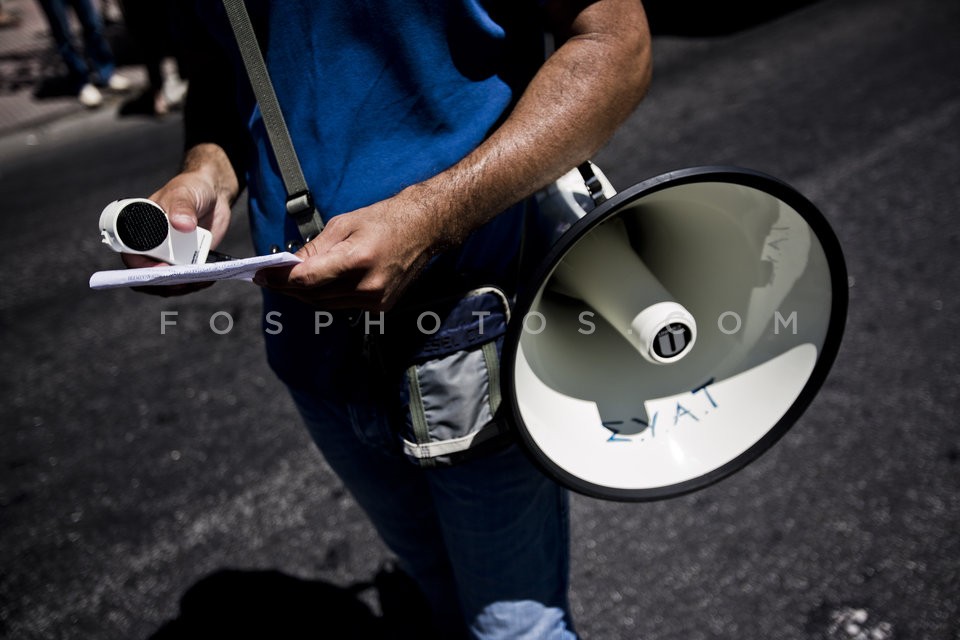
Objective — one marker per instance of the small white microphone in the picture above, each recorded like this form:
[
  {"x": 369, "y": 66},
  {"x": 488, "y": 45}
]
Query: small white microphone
[{"x": 139, "y": 226}]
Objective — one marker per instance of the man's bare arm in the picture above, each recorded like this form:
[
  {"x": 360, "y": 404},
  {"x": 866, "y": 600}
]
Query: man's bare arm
[
  {"x": 367, "y": 258},
  {"x": 572, "y": 107},
  {"x": 584, "y": 91}
]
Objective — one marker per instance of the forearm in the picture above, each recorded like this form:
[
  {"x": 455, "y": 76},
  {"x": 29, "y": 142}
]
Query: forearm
[{"x": 583, "y": 92}]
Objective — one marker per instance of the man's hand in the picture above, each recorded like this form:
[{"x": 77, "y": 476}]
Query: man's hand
[
  {"x": 366, "y": 258},
  {"x": 198, "y": 196},
  {"x": 363, "y": 259}
]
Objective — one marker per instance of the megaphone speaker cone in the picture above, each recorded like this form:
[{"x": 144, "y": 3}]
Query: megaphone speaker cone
[
  {"x": 604, "y": 271},
  {"x": 674, "y": 332}
]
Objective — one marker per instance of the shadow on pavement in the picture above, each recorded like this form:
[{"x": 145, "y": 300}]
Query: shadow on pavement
[{"x": 269, "y": 604}]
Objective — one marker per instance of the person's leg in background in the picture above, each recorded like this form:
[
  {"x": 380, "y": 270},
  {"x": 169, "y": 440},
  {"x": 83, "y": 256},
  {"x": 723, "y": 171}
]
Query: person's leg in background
[
  {"x": 97, "y": 49},
  {"x": 56, "y": 13}
]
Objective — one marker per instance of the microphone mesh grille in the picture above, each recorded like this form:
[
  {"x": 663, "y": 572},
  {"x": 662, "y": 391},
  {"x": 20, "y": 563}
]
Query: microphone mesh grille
[{"x": 142, "y": 226}]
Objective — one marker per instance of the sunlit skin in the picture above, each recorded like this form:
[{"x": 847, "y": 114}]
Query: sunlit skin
[{"x": 365, "y": 259}]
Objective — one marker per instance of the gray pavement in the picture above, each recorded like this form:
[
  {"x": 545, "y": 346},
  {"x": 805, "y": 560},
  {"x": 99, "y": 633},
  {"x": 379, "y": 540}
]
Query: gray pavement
[{"x": 161, "y": 485}]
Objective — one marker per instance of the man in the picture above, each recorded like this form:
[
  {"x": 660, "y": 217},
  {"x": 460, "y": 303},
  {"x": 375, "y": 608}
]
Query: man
[{"x": 419, "y": 126}]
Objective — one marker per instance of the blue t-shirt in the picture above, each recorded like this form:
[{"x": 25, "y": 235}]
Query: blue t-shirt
[{"x": 379, "y": 95}]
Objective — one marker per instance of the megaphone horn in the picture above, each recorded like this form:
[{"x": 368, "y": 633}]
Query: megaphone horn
[{"x": 674, "y": 331}]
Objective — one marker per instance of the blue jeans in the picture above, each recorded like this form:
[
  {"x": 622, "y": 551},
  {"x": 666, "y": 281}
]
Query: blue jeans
[
  {"x": 96, "y": 47},
  {"x": 486, "y": 540}
]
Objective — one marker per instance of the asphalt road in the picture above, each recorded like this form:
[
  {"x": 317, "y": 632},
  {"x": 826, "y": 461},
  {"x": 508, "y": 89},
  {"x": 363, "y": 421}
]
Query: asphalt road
[{"x": 161, "y": 485}]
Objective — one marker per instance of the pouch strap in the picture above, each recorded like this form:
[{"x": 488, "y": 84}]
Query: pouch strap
[{"x": 426, "y": 452}]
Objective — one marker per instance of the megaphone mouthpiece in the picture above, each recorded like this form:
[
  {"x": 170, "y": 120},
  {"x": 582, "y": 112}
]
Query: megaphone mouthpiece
[
  {"x": 604, "y": 271},
  {"x": 665, "y": 332}
]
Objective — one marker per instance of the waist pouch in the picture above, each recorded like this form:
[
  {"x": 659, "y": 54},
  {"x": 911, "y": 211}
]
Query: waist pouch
[{"x": 447, "y": 354}]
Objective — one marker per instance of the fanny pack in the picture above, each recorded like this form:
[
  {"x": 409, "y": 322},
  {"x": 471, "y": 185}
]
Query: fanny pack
[{"x": 448, "y": 356}]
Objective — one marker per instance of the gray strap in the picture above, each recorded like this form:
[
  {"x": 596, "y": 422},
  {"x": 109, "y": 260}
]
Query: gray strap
[
  {"x": 299, "y": 201},
  {"x": 492, "y": 360}
]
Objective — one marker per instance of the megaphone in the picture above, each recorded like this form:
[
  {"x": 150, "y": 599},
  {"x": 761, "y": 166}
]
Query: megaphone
[{"x": 674, "y": 330}]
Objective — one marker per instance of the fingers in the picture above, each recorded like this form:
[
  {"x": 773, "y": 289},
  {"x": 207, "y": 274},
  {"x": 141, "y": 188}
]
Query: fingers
[
  {"x": 325, "y": 259},
  {"x": 359, "y": 261},
  {"x": 186, "y": 199},
  {"x": 181, "y": 207},
  {"x": 314, "y": 272},
  {"x": 336, "y": 279}
]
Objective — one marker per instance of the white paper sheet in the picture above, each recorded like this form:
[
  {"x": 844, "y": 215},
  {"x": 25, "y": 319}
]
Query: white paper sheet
[{"x": 243, "y": 269}]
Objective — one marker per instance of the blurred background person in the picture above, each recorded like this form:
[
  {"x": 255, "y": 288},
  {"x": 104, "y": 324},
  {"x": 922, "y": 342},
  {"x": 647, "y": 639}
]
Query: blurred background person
[
  {"x": 93, "y": 68},
  {"x": 110, "y": 12},
  {"x": 153, "y": 29}
]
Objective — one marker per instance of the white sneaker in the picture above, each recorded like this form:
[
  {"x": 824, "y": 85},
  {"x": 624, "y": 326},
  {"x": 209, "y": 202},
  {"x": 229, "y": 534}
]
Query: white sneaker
[
  {"x": 174, "y": 91},
  {"x": 90, "y": 96},
  {"x": 119, "y": 83}
]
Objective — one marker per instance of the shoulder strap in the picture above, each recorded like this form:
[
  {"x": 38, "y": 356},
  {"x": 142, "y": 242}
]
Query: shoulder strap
[{"x": 299, "y": 201}]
